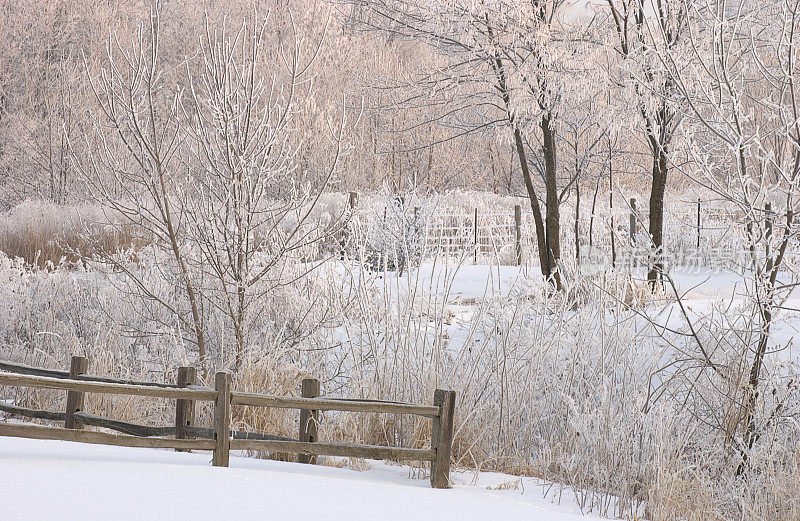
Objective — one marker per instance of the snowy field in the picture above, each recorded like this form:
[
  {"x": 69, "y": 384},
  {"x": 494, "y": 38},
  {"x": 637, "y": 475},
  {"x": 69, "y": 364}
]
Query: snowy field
[
  {"x": 480, "y": 319},
  {"x": 703, "y": 290},
  {"x": 45, "y": 480}
]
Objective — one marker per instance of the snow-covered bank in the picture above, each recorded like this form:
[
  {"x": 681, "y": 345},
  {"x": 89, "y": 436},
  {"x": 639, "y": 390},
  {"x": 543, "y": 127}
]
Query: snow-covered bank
[{"x": 44, "y": 480}]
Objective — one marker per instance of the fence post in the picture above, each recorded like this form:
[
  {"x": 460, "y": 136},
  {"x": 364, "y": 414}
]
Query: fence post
[
  {"x": 768, "y": 236},
  {"x": 309, "y": 419},
  {"x": 475, "y": 235},
  {"x": 184, "y": 409},
  {"x": 222, "y": 419},
  {"x": 442, "y": 437},
  {"x": 518, "y": 234},
  {"x": 698, "y": 224},
  {"x": 632, "y": 224},
  {"x": 75, "y": 399}
]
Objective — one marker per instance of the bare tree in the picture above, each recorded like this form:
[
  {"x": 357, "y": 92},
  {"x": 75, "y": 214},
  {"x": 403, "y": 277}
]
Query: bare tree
[
  {"x": 738, "y": 83},
  {"x": 496, "y": 74},
  {"x": 249, "y": 213},
  {"x": 633, "y": 23},
  {"x": 139, "y": 164},
  {"x": 201, "y": 171}
]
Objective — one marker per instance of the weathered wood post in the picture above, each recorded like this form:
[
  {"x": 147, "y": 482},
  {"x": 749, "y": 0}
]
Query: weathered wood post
[
  {"x": 309, "y": 419},
  {"x": 698, "y": 224},
  {"x": 346, "y": 233},
  {"x": 475, "y": 235},
  {"x": 75, "y": 399},
  {"x": 442, "y": 437},
  {"x": 222, "y": 419},
  {"x": 518, "y": 234},
  {"x": 768, "y": 236},
  {"x": 632, "y": 224},
  {"x": 184, "y": 409}
]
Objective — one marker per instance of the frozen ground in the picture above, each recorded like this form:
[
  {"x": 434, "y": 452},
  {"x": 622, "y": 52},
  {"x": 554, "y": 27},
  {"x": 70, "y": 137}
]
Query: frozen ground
[
  {"x": 471, "y": 281},
  {"x": 45, "y": 480}
]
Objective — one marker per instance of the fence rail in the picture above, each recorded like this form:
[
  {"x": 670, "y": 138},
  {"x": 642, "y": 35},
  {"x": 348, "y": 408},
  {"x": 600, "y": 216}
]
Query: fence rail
[
  {"x": 336, "y": 449},
  {"x": 321, "y": 404},
  {"x": 40, "y": 432},
  {"x": 82, "y": 386},
  {"x": 220, "y": 439},
  {"x": 54, "y": 373}
]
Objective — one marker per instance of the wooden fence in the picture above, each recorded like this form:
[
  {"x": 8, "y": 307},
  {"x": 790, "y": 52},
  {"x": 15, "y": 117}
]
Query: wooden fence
[{"x": 184, "y": 435}]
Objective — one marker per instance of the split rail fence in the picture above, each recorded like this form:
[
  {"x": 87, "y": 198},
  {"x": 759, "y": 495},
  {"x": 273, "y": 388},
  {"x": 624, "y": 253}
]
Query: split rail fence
[{"x": 185, "y": 435}]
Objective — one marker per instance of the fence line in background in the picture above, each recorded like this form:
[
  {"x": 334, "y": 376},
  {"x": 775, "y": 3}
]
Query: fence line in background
[{"x": 692, "y": 231}]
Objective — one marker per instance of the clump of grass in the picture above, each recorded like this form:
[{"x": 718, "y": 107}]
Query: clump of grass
[{"x": 45, "y": 235}]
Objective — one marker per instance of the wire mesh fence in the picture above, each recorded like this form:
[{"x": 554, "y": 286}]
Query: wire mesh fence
[{"x": 694, "y": 233}]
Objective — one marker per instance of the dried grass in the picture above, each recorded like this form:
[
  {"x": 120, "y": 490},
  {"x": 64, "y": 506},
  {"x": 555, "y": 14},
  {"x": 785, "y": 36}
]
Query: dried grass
[{"x": 547, "y": 386}]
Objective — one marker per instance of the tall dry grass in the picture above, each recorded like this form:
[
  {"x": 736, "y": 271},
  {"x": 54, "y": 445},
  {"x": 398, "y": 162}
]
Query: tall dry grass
[
  {"x": 552, "y": 386},
  {"x": 45, "y": 234}
]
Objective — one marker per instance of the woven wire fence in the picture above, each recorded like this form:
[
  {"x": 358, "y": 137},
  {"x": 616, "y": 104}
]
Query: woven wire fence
[
  {"x": 694, "y": 234},
  {"x": 485, "y": 237}
]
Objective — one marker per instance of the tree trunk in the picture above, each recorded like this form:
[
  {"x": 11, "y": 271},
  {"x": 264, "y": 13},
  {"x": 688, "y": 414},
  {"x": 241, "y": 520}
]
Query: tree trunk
[
  {"x": 546, "y": 254},
  {"x": 537, "y": 211},
  {"x": 577, "y": 223},
  {"x": 552, "y": 224},
  {"x": 773, "y": 266},
  {"x": 611, "y": 204},
  {"x": 546, "y": 261},
  {"x": 655, "y": 274}
]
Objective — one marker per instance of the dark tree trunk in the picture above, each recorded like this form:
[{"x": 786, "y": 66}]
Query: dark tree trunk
[
  {"x": 611, "y": 204},
  {"x": 552, "y": 224},
  {"x": 546, "y": 257},
  {"x": 655, "y": 274},
  {"x": 578, "y": 223},
  {"x": 544, "y": 260}
]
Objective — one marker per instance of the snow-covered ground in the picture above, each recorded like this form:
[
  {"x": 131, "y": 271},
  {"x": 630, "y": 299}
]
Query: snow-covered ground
[
  {"x": 46, "y": 480},
  {"x": 701, "y": 289}
]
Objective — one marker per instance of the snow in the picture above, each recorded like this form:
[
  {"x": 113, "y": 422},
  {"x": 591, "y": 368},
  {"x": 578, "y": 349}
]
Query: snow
[
  {"x": 700, "y": 288},
  {"x": 45, "y": 480},
  {"x": 458, "y": 282}
]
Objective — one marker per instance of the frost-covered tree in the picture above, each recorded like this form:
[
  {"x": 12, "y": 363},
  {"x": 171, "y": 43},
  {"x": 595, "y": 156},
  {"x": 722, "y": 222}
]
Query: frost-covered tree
[
  {"x": 200, "y": 176},
  {"x": 738, "y": 86},
  {"x": 249, "y": 212},
  {"x": 633, "y": 23},
  {"x": 503, "y": 65}
]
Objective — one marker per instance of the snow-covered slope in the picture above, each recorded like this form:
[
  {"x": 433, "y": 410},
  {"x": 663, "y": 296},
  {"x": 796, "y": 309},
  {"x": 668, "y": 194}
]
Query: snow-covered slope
[{"x": 46, "y": 480}]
